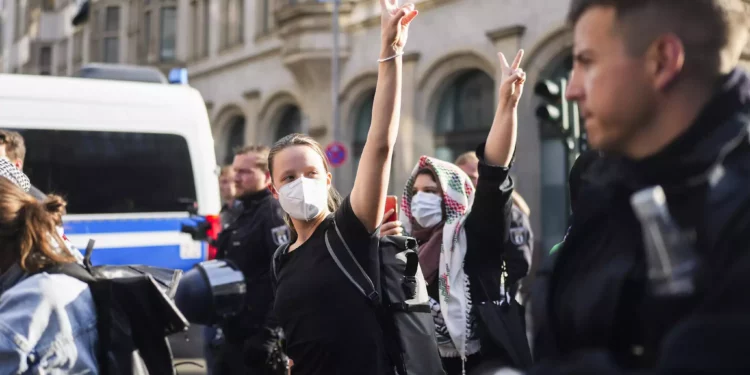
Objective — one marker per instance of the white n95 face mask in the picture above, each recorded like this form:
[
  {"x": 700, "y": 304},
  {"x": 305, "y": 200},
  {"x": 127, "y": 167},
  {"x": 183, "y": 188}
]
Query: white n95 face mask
[
  {"x": 304, "y": 198},
  {"x": 427, "y": 209}
]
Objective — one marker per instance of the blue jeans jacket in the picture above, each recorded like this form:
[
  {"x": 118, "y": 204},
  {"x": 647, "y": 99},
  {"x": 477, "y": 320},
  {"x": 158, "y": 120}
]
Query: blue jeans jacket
[{"x": 47, "y": 325}]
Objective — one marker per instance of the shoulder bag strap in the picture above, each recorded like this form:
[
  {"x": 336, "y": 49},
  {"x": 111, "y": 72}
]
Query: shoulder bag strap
[{"x": 347, "y": 263}]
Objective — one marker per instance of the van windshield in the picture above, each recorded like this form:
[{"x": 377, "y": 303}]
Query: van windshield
[{"x": 111, "y": 172}]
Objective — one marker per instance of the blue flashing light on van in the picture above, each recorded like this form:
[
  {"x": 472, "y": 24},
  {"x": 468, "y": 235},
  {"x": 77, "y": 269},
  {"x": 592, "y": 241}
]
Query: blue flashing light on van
[{"x": 178, "y": 76}]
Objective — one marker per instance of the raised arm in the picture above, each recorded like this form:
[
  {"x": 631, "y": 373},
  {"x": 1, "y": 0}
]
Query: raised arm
[
  {"x": 488, "y": 222},
  {"x": 501, "y": 142},
  {"x": 371, "y": 182}
]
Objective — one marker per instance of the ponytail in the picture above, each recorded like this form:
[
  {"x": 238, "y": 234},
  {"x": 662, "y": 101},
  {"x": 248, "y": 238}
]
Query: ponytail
[{"x": 28, "y": 230}]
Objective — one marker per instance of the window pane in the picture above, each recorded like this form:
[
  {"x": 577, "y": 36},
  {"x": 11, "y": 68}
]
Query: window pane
[
  {"x": 45, "y": 60},
  {"x": 266, "y": 15},
  {"x": 446, "y": 116},
  {"x": 290, "y": 122},
  {"x": 45, "y": 56},
  {"x": 78, "y": 46},
  {"x": 468, "y": 104},
  {"x": 108, "y": 172},
  {"x": 236, "y": 138},
  {"x": 112, "y": 21},
  {"x": 206, "y": 26},
  {"x": 364, "y": 117},
  {"x": 476, "y": 96},
  {"x": 240, "y": 20},
  {"x": 62, "y": 56},
  {"x": 147, "y": 32},
  {"x": 111, "y": 50},
  {"x": 167, "y": 33}
]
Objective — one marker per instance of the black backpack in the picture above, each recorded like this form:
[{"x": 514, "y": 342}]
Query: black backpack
[
  {"x": 398, "y": 293},
  {"x": 135, "y": 314}
]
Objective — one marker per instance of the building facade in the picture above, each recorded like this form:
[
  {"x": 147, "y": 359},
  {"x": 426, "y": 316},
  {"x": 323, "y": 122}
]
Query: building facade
[{"x": 264, "y": 68}]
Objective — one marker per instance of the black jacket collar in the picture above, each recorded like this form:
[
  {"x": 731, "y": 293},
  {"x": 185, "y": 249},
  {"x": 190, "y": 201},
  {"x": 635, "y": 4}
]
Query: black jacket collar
[
  {"x": 692, "y": 154},
  {"x": 250, "y": 199}
]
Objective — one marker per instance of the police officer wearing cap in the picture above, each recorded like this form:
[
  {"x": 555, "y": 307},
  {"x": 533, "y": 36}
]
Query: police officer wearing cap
[{"x": 250, "y": 242}]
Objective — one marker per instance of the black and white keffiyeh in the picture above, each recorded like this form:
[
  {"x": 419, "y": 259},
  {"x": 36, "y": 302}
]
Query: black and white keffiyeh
[{"x": 9, "y": 171}]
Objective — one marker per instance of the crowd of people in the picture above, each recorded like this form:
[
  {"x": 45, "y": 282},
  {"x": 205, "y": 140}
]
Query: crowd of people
[{"x": 654, "y": 290}]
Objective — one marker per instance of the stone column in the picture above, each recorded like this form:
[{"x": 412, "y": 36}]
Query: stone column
[{"x": 251, "y": 109}]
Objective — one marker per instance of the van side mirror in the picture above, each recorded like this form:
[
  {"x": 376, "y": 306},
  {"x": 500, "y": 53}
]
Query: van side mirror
[{"x": 190, "y": 205}]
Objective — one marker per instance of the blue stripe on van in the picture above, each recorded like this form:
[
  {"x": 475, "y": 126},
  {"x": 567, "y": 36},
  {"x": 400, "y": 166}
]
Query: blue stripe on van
[
  {"x": 125, "y": 225},
  {"x": 156, "y": 256}
]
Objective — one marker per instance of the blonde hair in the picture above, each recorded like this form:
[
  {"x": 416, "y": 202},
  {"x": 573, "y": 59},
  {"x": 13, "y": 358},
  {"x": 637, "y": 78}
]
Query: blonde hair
[
  {"x": 28, "y": 229},
  {"x": 467, "y": 157}
]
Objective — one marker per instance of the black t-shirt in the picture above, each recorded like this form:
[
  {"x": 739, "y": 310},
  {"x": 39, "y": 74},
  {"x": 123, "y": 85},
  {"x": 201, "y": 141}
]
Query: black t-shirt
[{"x": 330, "y": 328}]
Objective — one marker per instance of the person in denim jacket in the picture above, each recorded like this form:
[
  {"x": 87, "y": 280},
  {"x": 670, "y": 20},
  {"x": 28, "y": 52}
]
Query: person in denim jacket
[{"x": 47, "y": 321}]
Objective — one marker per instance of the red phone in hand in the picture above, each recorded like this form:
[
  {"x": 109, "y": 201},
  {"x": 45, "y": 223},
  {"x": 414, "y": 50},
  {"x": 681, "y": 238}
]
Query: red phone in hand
[{"x": 391, "y": 203}]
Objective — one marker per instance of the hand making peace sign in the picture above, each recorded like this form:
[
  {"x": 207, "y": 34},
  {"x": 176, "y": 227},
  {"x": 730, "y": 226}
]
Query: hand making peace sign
[
  {"x": 394, "y": 23},
  {"x": 513, "y": 79}
]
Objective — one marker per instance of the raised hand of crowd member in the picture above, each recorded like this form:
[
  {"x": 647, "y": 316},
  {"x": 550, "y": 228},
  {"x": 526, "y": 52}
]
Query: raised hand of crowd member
[
  {"x": 501, "y": 142},
  {"x": 330, "y": 328}
]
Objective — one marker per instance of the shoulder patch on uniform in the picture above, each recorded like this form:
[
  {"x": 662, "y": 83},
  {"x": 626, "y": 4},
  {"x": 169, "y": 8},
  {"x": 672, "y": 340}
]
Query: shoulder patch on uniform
[
  {"x": 281, "y": 235},
  {"x": 518, "y": 235}
]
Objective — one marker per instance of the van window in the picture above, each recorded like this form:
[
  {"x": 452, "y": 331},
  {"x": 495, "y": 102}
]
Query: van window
[{"x": 111, "y": 172}]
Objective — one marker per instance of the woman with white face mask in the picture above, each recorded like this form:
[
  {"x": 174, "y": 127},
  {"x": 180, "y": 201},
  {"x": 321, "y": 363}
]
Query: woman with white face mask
[
  {"x": 461, "y": 231},
  {"x": 329, "y": 327}
]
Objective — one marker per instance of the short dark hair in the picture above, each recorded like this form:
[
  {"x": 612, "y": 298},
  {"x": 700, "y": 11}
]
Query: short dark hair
[
  {"x": 713, "y": 32},
  {"x": 262, "y": 152},
  {"x": 14, "y": 144}
]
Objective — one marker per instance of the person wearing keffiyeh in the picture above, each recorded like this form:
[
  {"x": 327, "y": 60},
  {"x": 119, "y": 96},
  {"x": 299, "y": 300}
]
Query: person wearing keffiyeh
[{"x": 461, "y": 230}]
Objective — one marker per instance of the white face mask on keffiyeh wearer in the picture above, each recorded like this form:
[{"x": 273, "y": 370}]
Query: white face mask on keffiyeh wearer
[{"x": 454, "y": 322}]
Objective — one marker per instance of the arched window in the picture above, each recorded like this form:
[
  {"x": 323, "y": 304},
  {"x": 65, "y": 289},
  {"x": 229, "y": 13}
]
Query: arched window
[
  {"x": 464, "y": 114},
  {"x": 362, "y": 119},
  {"x": 289, "y": 122},
  {"x": 235, "y": 137}
]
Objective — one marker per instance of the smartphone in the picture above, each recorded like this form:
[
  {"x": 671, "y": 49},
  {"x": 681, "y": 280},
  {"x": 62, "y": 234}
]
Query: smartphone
[{"x": 391, "y": 203}]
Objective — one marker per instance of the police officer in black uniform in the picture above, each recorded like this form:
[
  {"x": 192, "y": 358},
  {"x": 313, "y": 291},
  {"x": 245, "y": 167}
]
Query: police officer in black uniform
[
  {"x": 250, "y": 242},
  {"x": 657, "y": 86}
]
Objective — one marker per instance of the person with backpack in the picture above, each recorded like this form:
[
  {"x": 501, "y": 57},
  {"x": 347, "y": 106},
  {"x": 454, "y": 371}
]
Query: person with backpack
[
  {"x": 329, "y": 327},
  {"x": 48, "y": 322}
]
